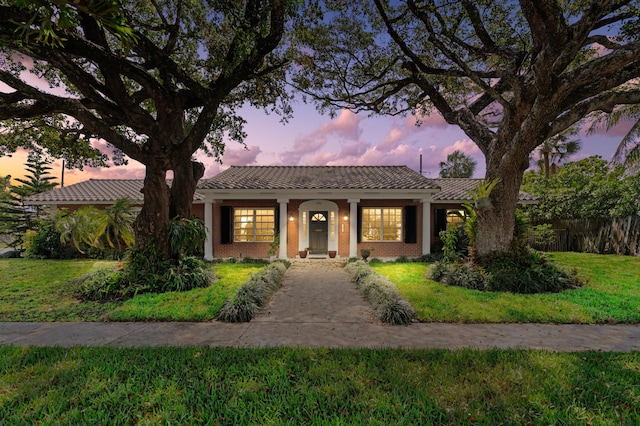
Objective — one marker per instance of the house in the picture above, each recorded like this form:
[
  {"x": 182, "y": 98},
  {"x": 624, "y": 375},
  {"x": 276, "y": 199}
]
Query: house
[{"x": 390, "y": 209}]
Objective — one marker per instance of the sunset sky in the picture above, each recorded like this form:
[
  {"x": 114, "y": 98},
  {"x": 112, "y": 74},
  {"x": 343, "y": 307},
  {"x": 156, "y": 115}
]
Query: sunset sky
[{"x": 314, "y": 139}]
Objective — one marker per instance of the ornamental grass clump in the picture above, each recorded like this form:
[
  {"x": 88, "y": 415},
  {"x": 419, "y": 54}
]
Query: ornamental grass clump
[
  {"x": 389, "y": 305},
  {"x": 527, "y": 272},
  {"x": 253, "y": 294}
]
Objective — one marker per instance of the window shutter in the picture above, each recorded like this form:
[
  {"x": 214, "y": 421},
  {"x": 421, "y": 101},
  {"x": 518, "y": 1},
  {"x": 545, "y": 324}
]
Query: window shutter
[
  {"x": 226, "y": 225},
  {"x": 411, "y": 224},
  {"x": 276, "y": 220},
  {"x": 359, "y": 224},
  {"x": 441, "y": 220}
]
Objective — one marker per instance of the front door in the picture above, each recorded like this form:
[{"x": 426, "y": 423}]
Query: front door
[{"x": 318, "y": 232}]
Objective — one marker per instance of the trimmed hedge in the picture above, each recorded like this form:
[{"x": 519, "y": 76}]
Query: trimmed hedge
[
  {"x": 253, "y": 294},
  {"x": 389, "y": 305}
]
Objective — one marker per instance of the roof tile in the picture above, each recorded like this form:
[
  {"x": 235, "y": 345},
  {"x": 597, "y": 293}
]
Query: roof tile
[
  {"x": 318, "y": 177},
  {"x": 457, "y": 189},
  {"x": 96, "y": 190}
]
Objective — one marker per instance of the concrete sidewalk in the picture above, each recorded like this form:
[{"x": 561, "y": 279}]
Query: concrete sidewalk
[
  {"x": 317, "y": 306},
  {"x": 565, "y": 338}
]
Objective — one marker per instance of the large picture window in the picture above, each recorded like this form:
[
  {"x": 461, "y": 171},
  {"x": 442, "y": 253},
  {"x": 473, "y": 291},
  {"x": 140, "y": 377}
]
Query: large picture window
[
  {"x": 253, "y": 225},
  {"x": 381, "y": 224}
]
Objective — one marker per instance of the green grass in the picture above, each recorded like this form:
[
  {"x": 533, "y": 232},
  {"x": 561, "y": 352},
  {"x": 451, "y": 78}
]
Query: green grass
[
  {"x": 41, "y": 290},
  {"x": 611, "y": 294},
  {"x": 201, "y": 385}
]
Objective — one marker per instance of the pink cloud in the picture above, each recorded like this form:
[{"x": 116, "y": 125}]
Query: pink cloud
[
  {"x": 433, "y": 119},
  {"x": 408, "y": 127},
  {"x": 347, "y": 124},
  {"x": 466, "y": 146},
  {"x": 346, "y": 127},
  {"x": 355, "y": 149},
  {"x": 241, "y": 156},
  {"x": 323, "y": 158}
]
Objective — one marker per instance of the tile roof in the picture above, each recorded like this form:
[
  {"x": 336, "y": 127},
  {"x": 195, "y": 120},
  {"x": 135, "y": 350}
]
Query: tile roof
[
  {"x": 457, "y": 189},
  {"x": 318, "y": 177},
  {"x": 96, "y": 190},
  {"x": 276, "y": 177}
]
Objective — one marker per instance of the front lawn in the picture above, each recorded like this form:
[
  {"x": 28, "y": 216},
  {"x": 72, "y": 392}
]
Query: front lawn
[
  {"x": 202, "y": 385},
  {"x": 611, "y": 295},
  {"x": 41, "y": 290}
]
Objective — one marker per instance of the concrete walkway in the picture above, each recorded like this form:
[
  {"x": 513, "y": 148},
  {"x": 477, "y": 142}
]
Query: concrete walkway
[{"x": 317, "y": 306}]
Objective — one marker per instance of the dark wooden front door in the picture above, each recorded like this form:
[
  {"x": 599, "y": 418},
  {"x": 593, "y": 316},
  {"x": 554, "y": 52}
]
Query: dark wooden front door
[{"x": 318, "y": 232}]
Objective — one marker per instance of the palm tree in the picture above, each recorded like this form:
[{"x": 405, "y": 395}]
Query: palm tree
[
  {"x": 556, "y": 150},
  {"x": 119, "y": 233},
  {"x": 90, "y": 227},
  {"x": 458, "y": 165},
  {"x": 628, "y": 151}
]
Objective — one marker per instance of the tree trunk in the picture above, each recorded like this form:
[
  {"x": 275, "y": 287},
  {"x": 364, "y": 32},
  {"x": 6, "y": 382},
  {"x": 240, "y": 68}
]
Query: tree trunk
[
  {"x": 185, "y": 179},
  {"x": 151, "y": 224},
  {"x": 496, "y": 223},
  {"x": 545, "y": 154}
]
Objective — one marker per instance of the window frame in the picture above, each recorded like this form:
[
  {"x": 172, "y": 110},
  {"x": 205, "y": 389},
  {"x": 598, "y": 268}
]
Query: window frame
[
  {"x": 267, "y": 236},
  {"x": 382, "y": 230}
]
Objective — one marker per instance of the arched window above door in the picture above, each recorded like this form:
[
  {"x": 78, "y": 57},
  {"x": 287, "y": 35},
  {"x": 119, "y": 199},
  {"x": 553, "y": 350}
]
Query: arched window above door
[{"x": 318, "y": 217}]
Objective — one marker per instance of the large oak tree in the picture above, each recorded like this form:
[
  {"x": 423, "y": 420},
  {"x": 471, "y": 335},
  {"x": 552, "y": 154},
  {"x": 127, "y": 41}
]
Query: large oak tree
[
  {"x": 511, "y": 74},
  {"x": 156, "y": 79}
]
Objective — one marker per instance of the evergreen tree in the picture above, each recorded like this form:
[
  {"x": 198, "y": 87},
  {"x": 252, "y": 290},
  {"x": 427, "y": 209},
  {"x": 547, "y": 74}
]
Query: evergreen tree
[{"x": 17, "y": 216}]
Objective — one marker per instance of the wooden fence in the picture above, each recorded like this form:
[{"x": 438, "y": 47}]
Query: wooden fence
[{"x": 604, "y": 235}]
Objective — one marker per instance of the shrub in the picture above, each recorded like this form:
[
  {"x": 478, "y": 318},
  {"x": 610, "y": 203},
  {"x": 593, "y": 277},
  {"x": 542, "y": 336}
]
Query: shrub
[
  {"x": 396, "y": 311},
  {"x": 188, "y": 274},
  {"x": 525, "y": 272},
  {"x": 528, "y": 274},
  {"x": 467, "y": 276},
  {"x": 543, "y": 235},
  {"x": 438, "y": 271},
  {"x": 144, "y": 271},
  {"x": 253, "y": 294},
  {"x": 186, "y": 236},
  {"x": 430, "y": 257},
  {"x": 358, "y": 270},
  {"x": 255, "y": 261},
  {"x": 387, "y": 302},
  {"x": 238, "y": 309},
  {"x": 102, "y": 285},
  {"x": 44, "y": 243}
]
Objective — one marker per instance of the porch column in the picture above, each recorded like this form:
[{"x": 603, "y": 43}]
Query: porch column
[
  {"x": 353, "y": 227},
  {"x": 284, "y": 224},
  {"x": 208, "y": 224},
  {"x": 426, "y": 226}
]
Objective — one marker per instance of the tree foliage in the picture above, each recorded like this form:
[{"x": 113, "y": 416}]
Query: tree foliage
[
  {"x": 17, "y": 216},
  {"x": 102, "y": 231},
  {"x": 169, "y": 88},
  {"x": 458, "y": 165},
  {"x": 556, "y": 150},
  {"x": 510, "y": 74},
  {"x": 627, "y": 152},
  {"x": 588, "y": 188}
]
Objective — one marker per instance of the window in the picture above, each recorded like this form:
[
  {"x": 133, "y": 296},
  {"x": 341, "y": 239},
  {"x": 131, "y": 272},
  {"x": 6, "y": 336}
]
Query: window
[
  {"x": 447, "y": 217},
  {"x": 253, "y": 225},
  {"x": 454, "y": 217},
  {"x": 381, "y": 224}
]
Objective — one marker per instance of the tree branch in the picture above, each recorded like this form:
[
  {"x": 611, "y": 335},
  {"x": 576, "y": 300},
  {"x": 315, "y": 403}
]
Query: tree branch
[{"x": 605, "y": 102}]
